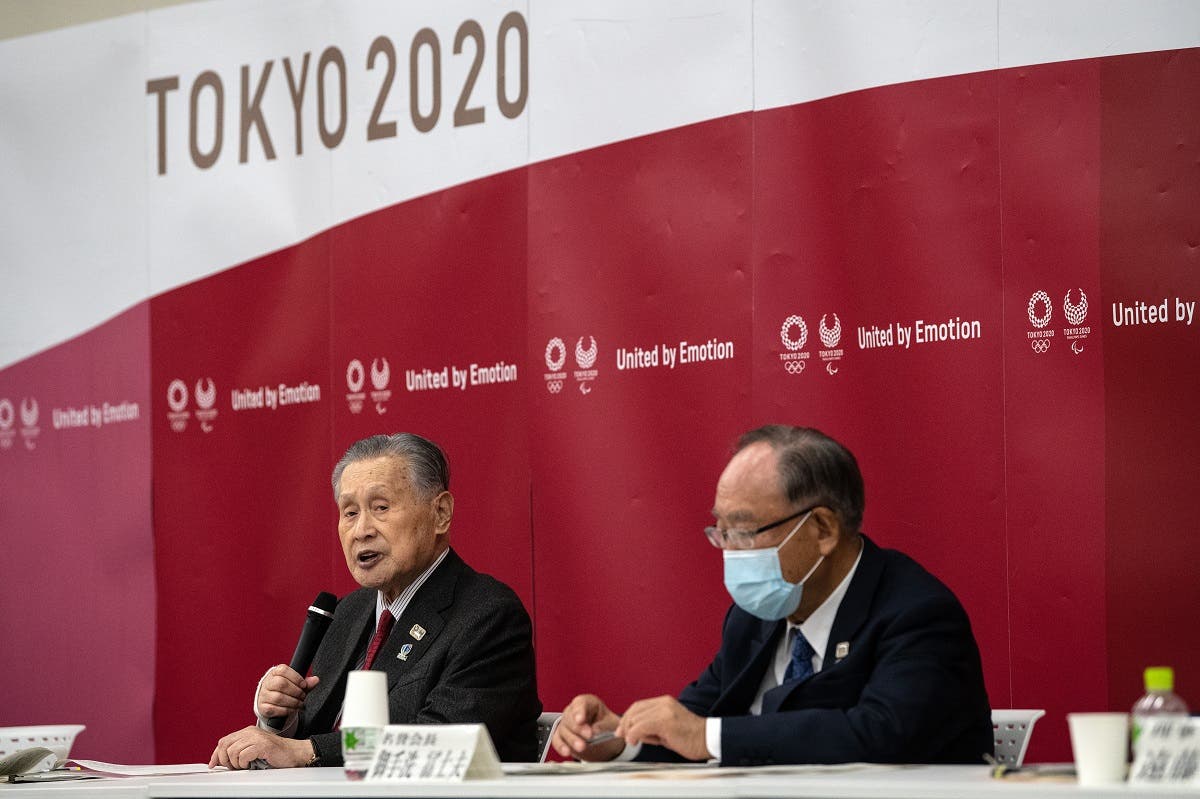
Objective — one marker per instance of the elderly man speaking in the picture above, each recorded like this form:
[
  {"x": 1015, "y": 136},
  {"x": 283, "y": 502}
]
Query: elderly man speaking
[
  {"x": 456, "y": 644},
  {"x": 834, "y": 651}
]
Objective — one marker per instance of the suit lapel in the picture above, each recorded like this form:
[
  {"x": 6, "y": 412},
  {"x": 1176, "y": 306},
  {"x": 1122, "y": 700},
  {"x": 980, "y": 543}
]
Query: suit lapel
[
  {"x": 856, "y": 604},
  {"x": 342, "y": 644},
  {"x": 421, "y": 622},
  {"x": 739, "y": 692},
  {"x": 346, "y": 642},
  {"x": 852, "y": 613}
]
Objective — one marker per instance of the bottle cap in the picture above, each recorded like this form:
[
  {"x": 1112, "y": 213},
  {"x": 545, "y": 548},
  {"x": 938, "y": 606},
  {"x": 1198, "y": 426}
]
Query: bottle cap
[{"x": 1160, "y": 678}]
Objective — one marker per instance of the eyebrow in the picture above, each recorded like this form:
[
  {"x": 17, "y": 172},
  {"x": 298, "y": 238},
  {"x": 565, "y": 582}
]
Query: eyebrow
[
  {"x": 372, "y": 490},
  {"x": 736, "y": 516}
]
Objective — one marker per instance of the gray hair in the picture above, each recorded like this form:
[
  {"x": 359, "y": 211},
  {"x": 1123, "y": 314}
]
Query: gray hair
[
  {"x": 427, "y": 466},
  {"x": 814, "y": 469}
]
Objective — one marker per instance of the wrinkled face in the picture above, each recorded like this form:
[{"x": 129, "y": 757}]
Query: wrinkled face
[{"x": 389, "y": 532}]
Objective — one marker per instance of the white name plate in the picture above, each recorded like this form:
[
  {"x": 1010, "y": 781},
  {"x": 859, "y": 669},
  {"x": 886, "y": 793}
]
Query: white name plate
[
  {"x": 434, "y": 753},
  {"x": 1168, "y": 752}
]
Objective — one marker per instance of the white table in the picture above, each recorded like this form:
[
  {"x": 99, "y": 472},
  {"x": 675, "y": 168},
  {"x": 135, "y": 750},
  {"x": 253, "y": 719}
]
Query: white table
[{"x": 874, "y": 782}]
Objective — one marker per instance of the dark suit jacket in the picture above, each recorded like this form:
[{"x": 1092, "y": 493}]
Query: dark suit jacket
[
  {"x": 910, "y": 689},
  {"x": 474, "y": 663}
]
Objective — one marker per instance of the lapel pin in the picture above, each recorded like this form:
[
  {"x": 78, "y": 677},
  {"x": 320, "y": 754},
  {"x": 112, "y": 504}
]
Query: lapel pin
[
  {"x": 404, "y": 650},
  {"x": 842, "y": 649},
  {"x": 417, "y": 632}
]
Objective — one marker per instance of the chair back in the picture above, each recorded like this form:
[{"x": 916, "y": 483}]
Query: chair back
[
  {"x": 1011, "y": 731},
  {"x": 545, "y": 730}
]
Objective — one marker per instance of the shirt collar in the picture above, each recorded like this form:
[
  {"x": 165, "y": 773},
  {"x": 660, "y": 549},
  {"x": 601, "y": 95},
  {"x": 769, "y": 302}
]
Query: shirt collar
[
  {"x": 407, "y": 594},
  {"x": 819, "y": 624}
]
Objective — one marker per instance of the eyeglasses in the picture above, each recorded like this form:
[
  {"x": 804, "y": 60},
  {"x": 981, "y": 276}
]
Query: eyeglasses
[{"x": 744, "y": 539}]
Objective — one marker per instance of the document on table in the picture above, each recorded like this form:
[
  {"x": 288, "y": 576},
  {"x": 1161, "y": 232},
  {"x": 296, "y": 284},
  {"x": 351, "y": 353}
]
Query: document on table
[
  {"x": 27, "y": 761},
  {"x": 37, "y": 769},
  {"x": 100, "y": 769}
]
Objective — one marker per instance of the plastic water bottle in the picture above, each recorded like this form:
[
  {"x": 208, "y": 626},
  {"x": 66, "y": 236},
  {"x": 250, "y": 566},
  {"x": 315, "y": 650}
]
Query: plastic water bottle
[{"x": 1160, "y": 699}]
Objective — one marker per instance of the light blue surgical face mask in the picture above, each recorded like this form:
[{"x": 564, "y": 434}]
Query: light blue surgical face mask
[{"x": 754, "y": 578}]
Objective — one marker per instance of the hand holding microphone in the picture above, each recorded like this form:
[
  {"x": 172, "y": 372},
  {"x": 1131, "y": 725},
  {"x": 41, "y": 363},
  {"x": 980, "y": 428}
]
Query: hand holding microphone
[
  {"x": 282, "y": 690},
  {"x": 281, "y": 693}
]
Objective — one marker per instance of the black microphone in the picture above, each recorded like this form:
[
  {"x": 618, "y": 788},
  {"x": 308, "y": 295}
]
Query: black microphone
[{"x": 320, "y": 613}]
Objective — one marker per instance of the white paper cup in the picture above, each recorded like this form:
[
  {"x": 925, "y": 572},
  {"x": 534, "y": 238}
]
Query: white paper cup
[
  {"x": 364, "y": 715},
  {"x": 366, "y": 702},
  {"x": 1100, "y": 742}
]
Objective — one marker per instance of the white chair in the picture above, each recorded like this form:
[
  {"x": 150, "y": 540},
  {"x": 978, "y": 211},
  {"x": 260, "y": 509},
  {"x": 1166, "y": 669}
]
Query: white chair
[
  {"x": 1011, "y": 732},
  {"x": 546, "y": 724}
]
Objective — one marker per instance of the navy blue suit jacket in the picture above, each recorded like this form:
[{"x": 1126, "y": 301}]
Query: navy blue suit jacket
[{"x": 909, "y": 690}]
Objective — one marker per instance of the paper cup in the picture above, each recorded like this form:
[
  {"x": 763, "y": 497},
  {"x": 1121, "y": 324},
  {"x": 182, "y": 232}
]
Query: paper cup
[
  {"x": 364, "y": 715},
  {"x": 1100, "y": 742},
  {"x": 366, "y": 703}
]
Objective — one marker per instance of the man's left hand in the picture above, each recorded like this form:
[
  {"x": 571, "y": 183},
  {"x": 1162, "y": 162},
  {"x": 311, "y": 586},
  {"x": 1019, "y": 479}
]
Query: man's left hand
[
  {"x": 665, "y": 722},
  {"x": 239, "y": 749}
]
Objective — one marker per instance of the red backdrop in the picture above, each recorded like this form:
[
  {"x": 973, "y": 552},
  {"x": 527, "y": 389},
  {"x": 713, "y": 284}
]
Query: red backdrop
[{"x": 1042, "y": 471}]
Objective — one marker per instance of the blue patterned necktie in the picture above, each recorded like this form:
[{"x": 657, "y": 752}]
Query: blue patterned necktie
[{"x": 800, "y": 666}]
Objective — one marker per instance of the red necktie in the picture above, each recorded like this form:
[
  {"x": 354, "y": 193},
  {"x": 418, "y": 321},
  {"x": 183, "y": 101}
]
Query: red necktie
[
  {"x": 382, "y": 628},
  {"x": 381, "y": 633}
]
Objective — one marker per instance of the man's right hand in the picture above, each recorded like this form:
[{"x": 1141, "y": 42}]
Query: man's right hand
[
  {"x": 281, "y": 692},
  {"x": 584, "y": 718}
]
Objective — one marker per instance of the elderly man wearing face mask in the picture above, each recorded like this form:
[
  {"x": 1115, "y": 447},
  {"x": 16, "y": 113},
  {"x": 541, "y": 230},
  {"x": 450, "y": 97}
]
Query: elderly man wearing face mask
[{"x": 835, "y": 650}]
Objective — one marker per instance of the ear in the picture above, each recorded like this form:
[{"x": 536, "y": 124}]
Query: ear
[
  {"x": 443, "y": 511},
  {"x": 829, "y": 529}
]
